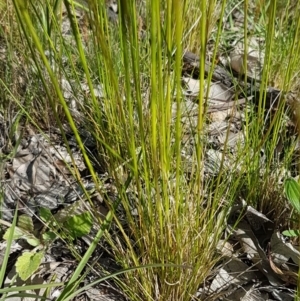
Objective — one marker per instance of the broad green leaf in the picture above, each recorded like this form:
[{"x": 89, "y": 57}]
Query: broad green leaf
[
  {"x": 49, "y": 236},
  {"x": 45, "y": 214},
  {"x": 32, "y": 240},
  {"x": 28, "y": 263},
  {"x": 18, "y": 233},
  {"x": 79, "y": 225},
  {"x": 292, "y": 192},
  {"x": 291, "y": 233},
  {"x": 25, "y": 222}
]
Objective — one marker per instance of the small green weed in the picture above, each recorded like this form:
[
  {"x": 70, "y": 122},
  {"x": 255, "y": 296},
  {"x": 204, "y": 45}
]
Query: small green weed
[{"x": 73, "y": 227}]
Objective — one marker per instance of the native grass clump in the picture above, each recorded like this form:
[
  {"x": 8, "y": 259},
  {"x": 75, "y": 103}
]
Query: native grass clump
[{"x": 136, "y": 88}]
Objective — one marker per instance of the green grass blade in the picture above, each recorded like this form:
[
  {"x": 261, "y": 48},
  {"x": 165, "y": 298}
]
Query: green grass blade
[{"x": 7, "y": 250}]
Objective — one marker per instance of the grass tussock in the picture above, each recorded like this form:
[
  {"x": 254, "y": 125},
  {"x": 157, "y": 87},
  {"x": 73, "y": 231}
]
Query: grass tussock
[{"x": 125, "y": 82}]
